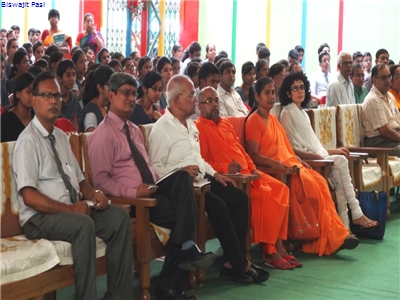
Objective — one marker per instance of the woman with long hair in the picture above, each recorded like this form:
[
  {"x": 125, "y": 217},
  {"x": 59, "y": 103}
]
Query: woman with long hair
[
  {"x": 211, "y": 53},
  {"x": 94, "y": 98},
  {"x": 38, "y": 50},
  {"x": 145, "y": 111},
  {"x": 164, "y": 67},
  {"x": 14, "y": 121},
  {"x": 245, "y": 90},
  {"x": 144, "y": 67},
  {"x": 294, "y": 98},
  {"x": 268, "y": 146},
  {"x": 21, "y": 64}
]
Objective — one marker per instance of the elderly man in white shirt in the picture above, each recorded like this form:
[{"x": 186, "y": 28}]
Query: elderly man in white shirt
[
  {"x": 174, "y": 142},
  {"x": 341, "y": 91},
  {"x": 231, "y": 104}
]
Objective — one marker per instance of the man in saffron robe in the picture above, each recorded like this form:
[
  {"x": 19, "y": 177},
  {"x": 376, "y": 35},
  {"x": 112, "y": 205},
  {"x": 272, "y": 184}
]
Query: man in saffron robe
[{"x": 221, "y": 148}]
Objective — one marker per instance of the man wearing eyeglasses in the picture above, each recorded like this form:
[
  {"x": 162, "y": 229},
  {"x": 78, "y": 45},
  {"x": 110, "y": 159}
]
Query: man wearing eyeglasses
[
  {"x": 380, "y": 115},
  {"x": 51, "y": 188},
  {"x": 357, "y": 77},
  {"x": 174, "y": 143},
  {"x": 121, "y": 167},
  {"x": 341, "y": 91}
]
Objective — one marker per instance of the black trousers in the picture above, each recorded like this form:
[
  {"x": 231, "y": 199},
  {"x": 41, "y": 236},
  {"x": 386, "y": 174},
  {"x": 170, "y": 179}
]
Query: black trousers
[
  {"x": 227, "y": 210},
  {"x": 175, "y": 210}
]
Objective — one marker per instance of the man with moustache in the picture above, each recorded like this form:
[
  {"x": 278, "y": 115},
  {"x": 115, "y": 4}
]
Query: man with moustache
[
  {"x": 341, "y": 91},
  {"x": 50, "y": 189},
  {"x": 380, "y": 115},
  {"x": 120, "y": 167}
]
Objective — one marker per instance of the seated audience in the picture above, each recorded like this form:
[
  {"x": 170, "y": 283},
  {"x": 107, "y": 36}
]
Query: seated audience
[
  {"x": 381, "y": 57},
  {"x": 81, "y": 64},
  {"x": 29, "y": 49},
  {"x": 192, "y": 71},
  {"x": 103, "y": 56},
  {"x": 380, "y": 115},
  {"x": 70, "y": 107},
  {"x": 395, "y": 86},
  {"x": 177, "y": 52},
  {"x": 220, "y": 147},
  {"x": 128, "y": 66},
  {"x": 358, "y": 57},
  {"x": 176, "y": 65},
  {"x": 5, "y": 102},
  {"x": 341, "y": 90},
  {"x": 94, "y": 97},
  {"x": 21, "y": 64},
  {"x": 54, "y": 60},
  {"x": 90, "y": 37},
  {"x": 118, "y": 56},
  {"x": 144, "y": 67},
  {"x": 194, "y": 51},
  {"x": 324, "y": 47},
  {"x": 90, "y": 56},
  {"x": 115, "y": 65},
  {"x": 125, "y": 171},
  {"x": 38, "y": 50},
  {"x": 357, "y": 77},
  {"x": 3, "y": 44},
  {"x": 295, "y": 67},
  {"x": 145, "y": 111},
  {"x": 263, "y": 53},
  {"x": 367, "y": 63},
  {"x": 50, "y": 194},
  {"x": 245, "y": 90},
  {"x": 268, "y": 146},
  {"x": 174, "y": 143},
  {"x": 211, "y": 53},
  {"x": 12, "y": 46},
  {"x": 294, "y": 98},
  {"x": 293, "y": 57},
  {"x": 136, "y": 58},
  {"x": 42, "y": 63},
  {"x": 14, "y": 121},
  {"x": 231, "y": 103},
  {"x": 277, "y": 73},
  {"x": 300, "y": 50}
]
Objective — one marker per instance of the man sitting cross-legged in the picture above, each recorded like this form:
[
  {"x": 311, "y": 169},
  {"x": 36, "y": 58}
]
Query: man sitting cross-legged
[
  {"x": 221, "y": 148},
  {"x": 120, "y": 167},
  {"x": 174, "y": 142}
]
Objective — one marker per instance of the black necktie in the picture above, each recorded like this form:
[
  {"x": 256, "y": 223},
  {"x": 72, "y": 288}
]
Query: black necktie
[
  {"x": 72, "y": 192},
  {"x": 141, "y": 164}
]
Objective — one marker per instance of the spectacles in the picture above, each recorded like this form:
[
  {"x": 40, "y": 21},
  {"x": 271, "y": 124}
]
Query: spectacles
[
  {"x": 128, "y": 93},
  {"x": 384, "y": 77},
  {"x": 367, "y": 60},
  {"x": 211, "y": 101},
  {"x": 191, "y": 96},
  {"x": 156, "y": 89},
  {"x": 49, "y": 96},
  {"x": 297, "y": 88},
  {"x": 359, "y": 75},
  {"x": 346, "y": 63}
]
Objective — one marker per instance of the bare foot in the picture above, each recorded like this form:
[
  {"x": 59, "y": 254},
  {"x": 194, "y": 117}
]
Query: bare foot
[{"x": 364, "y": 222}]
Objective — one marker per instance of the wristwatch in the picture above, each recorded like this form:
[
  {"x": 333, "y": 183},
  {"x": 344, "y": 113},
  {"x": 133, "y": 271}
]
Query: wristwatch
[{"x": 97, "y": 191}]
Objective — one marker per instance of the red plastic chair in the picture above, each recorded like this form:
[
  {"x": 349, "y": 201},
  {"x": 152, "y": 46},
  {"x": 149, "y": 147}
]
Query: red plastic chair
[
  {"x": 1, "y": 109},
  {"x": 65, "y": 125},
  {"x": 323, "y": 100},
  {"x": 248, "y": 106}
]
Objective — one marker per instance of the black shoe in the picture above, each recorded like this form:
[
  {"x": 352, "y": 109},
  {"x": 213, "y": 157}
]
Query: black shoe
[
  {"x": 172, "y": 294},
  {"x": 349, "y": 243},
  {"x": 193, "y": 257},
  {"x": 257, "y": 273},
  {"x": 229, "y": 274}
]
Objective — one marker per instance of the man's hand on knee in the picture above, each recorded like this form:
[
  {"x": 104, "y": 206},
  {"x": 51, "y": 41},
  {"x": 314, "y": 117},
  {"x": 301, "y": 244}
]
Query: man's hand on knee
[{"x": 80, "y": 207}]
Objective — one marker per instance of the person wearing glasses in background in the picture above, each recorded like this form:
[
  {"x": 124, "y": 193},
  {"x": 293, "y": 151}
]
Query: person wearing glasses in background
[
  {"x": 341, "y": 91},
  {"x": 90, "y": 37},
  {"x": 357, "y": 77},
  {"x": 50, "y": 188},
  {"x": 380, "y": 115}
]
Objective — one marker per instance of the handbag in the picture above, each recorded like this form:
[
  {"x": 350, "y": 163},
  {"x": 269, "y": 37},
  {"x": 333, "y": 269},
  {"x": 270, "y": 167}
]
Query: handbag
[
  {"x": 373, "y": 205},
  {"x": 303, "y": 218}
]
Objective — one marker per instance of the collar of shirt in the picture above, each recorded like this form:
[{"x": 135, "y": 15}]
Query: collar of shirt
[
  {"x": 222, "y": 91},
  {"x": 118, "y": 121},
  {"x": 379, "y": 94},
  {"x": 172, "y": 118},
  {"x": 341, "y": 79},
  {"x": 43, "y": 131}
]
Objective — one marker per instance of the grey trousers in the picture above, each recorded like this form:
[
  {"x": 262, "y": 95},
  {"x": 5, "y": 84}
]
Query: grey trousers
[
  {"x": 111, "y": 225},
  {"x": 381, "y": 142}
]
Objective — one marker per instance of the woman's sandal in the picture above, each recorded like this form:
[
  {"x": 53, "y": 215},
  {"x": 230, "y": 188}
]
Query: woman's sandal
[
  {"x": 293, "y": 261},
  {"x": 281, "y": 264}
]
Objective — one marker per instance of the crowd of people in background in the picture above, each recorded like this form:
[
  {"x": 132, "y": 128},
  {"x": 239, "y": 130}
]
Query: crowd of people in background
[{"x": 173, "y": 91}]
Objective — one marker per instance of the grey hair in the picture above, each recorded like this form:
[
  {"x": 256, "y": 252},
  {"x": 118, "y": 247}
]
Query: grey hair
[
  {"x": 202, "y": 91},
  {"x": 174, "y": 86},
  {"x": 118, "y": 79},
  {"x": 341, "y": 54}
]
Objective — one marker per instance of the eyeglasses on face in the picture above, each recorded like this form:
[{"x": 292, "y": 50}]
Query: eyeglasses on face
[
  {"x": 191, "y": 96},
  {"x": 128, "y": 93},
  {"x": 297, "y": 88},
  {"x": 359, "y": 75},
  {"x": 49, "y": 96},
  {"x": 384, "y": 77},
  {"x": 211, "y": 101},
  {"x": 346, "y": 63}
]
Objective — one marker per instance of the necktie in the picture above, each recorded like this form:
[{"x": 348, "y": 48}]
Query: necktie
[
  {"x": 141, "y": 164},
  {"x": 72, "y": 192},
  {"x": 326, "y": 79}
]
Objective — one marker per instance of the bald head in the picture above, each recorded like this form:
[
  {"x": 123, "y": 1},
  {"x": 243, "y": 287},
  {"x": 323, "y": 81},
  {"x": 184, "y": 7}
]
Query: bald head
[
  {"x": 208, "y": 103},
  {"x": 181, "y": 97}
]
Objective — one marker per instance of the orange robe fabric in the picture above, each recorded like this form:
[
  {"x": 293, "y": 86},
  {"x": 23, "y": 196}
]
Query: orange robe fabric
[
  {"x": 396, "y": 97},
  {"x": 274, "y": 144},
  {"x": 220, "y": 145}
]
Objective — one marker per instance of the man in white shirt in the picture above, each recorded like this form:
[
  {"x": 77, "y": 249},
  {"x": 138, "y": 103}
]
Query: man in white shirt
[
  {"x": 320, "y": 80},
  {"x": 174, "y": 142},
  {"x": 231, "y": 104},
  {"x": 341, "y": 91},
  {"x": 50, "y": 189}
]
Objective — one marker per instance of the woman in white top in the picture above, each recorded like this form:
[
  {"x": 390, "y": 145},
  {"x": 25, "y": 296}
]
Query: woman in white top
[{"x": 294, "y": 96}]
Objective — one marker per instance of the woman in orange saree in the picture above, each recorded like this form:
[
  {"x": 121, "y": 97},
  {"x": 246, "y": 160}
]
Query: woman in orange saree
[
  {"x": 48, "y": 35},
  {"x": 267, "y": 145}
]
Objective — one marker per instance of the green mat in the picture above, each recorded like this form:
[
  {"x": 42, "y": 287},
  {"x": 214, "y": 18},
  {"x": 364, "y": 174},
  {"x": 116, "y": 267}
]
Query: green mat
[{"x": 371, "y": 271}]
